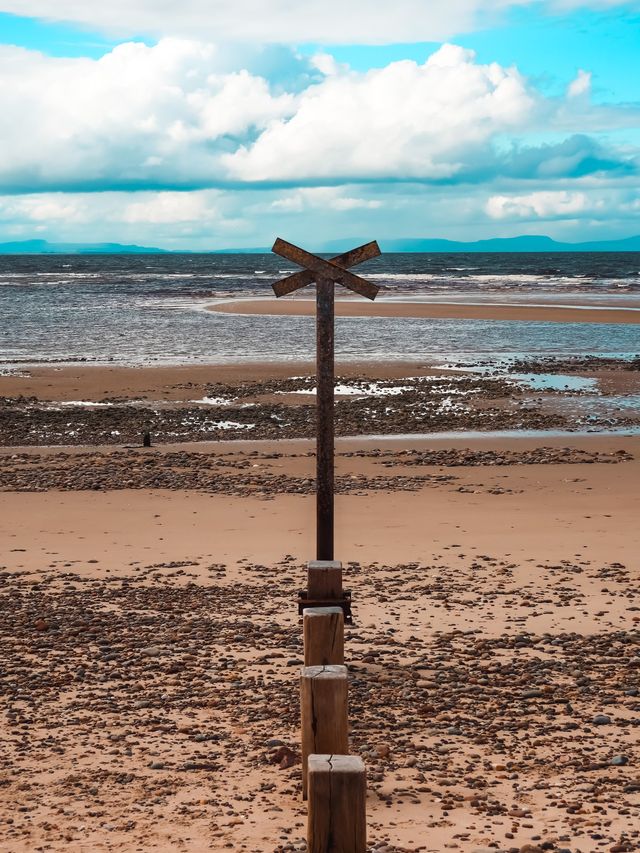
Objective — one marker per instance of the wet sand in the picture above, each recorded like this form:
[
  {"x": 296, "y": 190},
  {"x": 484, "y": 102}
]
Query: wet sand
[
  {"x": 151, "y": 648},
  {"x": 433, "y": 310},
  {"x": 97, "y": 405},
  {"x": 88, "y": 382}
]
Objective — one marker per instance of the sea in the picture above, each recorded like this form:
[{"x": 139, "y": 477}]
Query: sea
[{"x": 151, "y": 309}]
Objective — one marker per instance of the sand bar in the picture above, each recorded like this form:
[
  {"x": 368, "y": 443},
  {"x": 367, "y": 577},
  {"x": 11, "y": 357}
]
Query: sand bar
[{"x": 433, "y": 310}]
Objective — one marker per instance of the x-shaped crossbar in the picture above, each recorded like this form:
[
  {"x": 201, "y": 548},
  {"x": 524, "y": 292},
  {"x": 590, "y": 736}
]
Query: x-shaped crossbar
[{"x": 333, "y": 270}]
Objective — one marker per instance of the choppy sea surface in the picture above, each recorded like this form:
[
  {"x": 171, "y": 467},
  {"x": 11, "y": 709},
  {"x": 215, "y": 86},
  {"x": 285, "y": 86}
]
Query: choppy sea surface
[{"x": 150, "y": 309}]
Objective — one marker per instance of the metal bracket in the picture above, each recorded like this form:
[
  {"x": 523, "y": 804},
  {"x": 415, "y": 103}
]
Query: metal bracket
[{"x": 344, "y": 603}]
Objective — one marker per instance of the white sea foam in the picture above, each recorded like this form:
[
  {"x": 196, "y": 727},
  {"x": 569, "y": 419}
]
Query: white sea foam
[
  {"x": 371, "y": 389},
  {"x": 87, "y": 403},
  {"x": 213, "y": 401},
  {"x": 229, "y": 425}
]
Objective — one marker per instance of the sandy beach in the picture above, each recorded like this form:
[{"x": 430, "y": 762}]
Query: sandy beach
[
  {"x": 434, "y": 310},
  {"x": 150, "y": 626},
  {"x": 153, "y": 645}
]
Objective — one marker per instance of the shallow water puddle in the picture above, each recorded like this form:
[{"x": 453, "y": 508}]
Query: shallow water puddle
[{"x": 555, "y": 381}]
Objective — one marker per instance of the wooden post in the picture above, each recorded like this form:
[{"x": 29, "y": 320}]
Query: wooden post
[
  {"x": 323, "y": 712},
  {"x": 325, "y": 273},
  {"x": 324, "y": 580},
  {"x": 323, "y": 629},
  {"x": 337, "y": 821},
  {"x": 324, "y": 417}
]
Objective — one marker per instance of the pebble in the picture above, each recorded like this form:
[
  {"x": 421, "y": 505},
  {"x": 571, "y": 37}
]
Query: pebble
[
  {"x": 151, "y": 651},
  {"x": 619, "y": 760}
]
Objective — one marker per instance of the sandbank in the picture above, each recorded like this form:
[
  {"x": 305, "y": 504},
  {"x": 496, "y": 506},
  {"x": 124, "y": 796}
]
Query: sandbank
[{"x": 433, "y": 310}]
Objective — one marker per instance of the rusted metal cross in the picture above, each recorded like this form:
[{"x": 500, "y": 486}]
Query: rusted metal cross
[{"x": 325, "y": 274}]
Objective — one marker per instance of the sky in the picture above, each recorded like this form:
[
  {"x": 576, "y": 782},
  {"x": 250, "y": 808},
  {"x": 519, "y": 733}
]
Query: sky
[{"x": 210, "y": 124}]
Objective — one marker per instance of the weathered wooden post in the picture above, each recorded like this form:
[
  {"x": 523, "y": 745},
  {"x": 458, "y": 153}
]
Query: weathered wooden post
[
  {"x": 324, "y": 580},
  {"x": 323, "y": 712},
  {"x": 323, "y": 630},
  {"x": 337, "y": 820},
  {"x": 325, "y": 274},
  {"x": 325, "y": 443}
]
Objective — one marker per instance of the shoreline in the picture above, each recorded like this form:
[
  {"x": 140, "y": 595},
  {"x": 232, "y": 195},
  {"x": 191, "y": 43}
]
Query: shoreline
[{"x": 434, "y": 311}]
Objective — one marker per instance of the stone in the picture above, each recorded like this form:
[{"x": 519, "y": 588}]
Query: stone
[{"x": 619, "y": 760}]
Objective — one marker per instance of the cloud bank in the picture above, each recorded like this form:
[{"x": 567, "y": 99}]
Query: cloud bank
[
  {"x": 289, "y": 21},
  {"x": 173, "y": 116},
  {"x": 188, "y": 144}
]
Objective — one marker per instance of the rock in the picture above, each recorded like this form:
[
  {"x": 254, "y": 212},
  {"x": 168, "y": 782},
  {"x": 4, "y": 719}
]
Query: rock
[
  {"x": 284, "y": 757},
  {"x": 41, "y": 625},
  {"x": 619, "y": 760},
  {"x": 151, "y": 651},
  {"x": 601, "y": 720}
]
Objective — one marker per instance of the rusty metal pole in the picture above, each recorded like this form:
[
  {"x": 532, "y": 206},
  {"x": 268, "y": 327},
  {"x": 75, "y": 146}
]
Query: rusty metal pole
[{"x": 325, "y": 289}]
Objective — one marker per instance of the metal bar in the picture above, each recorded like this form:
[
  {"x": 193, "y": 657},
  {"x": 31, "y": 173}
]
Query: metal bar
[
  {"x": 348, "y": 259},
  {"x": 324, "y": 427},
  {"x": 325, "y": 269}
]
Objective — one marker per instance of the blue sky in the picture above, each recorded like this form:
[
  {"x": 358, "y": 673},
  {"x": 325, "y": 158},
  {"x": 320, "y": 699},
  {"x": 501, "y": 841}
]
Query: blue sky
[{"x": 221, "y": 124}]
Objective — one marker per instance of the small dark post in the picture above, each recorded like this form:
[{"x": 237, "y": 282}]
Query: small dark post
[
  {"x": 146, "y": 439},
  {"x": 326, "y": 274}
]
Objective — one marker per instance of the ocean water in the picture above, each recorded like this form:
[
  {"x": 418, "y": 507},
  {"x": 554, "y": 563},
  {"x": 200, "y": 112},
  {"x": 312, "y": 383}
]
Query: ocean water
[{"x": 138, "y": 309}]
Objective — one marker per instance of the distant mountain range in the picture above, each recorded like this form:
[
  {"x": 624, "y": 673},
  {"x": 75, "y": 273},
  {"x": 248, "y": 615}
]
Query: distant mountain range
[
  {"x": 43, "y": 247},
  {"x": 496, "y": 244},
  {"x": 419, "y": 244}
]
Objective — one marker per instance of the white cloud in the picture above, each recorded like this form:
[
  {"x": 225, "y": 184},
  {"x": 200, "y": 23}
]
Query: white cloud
[
  {"x": 538, "y": 205},
  {"x": 581, "y": 85},
  {"x": 283, "y": 21},
  {"x": 168, "y": 118},
  {"x": 403, "y": 121},
  {"x": 255, "y": 217},
  {"x": 327, "y": 198},
  {"x": 169, "y": 207},
  {"x": 286, "y": 21},
  {"x": 40, "y": 208},
  {"x": 138, "y": 116}
]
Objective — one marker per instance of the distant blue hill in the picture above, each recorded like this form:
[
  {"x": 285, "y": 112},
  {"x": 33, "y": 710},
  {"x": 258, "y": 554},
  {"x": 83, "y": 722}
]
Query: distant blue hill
[
  {"x": 43, "y": 247},
  {"x": 418, "y": 244},
  {"x": 496, "y": 244}
]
